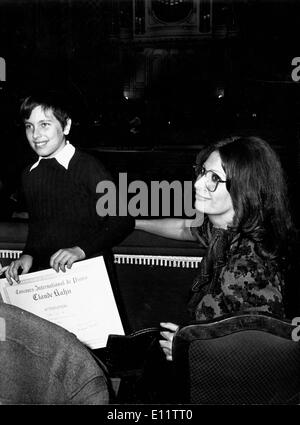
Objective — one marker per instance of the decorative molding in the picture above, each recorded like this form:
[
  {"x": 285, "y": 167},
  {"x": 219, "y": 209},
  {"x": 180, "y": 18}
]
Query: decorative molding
[
  {"x": 158, "y": 260},
  {"x": 10, "y": 253},
  {"x": 144, "y": 260}
]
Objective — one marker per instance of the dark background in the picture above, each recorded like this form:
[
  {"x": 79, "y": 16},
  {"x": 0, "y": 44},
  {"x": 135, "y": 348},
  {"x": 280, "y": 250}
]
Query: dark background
[{"x": 185, "y": 89}]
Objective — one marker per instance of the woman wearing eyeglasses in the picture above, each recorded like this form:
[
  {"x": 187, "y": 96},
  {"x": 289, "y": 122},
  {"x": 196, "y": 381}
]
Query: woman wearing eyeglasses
[{"x": 247, "y": 225}]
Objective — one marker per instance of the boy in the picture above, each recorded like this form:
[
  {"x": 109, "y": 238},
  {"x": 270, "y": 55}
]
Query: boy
[{"x": 60, "y": 192}]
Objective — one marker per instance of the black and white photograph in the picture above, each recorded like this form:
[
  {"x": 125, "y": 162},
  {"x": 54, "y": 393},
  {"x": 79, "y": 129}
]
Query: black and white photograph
[{"x": 150, "y": 214}]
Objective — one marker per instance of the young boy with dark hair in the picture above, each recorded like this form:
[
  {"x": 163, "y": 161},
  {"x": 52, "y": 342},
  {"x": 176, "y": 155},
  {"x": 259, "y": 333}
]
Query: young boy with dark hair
[{"x": 60, "y": 191}]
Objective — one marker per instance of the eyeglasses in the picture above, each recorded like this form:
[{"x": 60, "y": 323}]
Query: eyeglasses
[{"x": 212, "y": 179}]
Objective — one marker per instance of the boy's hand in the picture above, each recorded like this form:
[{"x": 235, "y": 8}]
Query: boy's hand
[
  {"x": 3, "y": 269},
  {"x": 24, "y": 263},
  {"x": 166, "y": 343},
  {"x": 66, "y": 257}
]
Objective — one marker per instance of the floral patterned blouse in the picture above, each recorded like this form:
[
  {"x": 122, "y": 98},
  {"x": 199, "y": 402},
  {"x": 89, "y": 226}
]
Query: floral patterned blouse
[{"x": 234, "y": 277}]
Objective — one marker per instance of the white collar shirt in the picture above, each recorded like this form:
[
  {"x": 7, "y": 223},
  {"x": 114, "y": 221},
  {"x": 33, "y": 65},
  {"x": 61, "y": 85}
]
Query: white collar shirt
[{"x": 63, "y": 157}]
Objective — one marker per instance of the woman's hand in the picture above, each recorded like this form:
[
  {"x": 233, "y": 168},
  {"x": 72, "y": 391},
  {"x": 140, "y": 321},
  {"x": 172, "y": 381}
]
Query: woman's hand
[
  {"x": 12, "y": 272},
  {"x": 66, "y": 257},
  {"x": 166, "y": 343},
  {"x": 173, "y": 228}
]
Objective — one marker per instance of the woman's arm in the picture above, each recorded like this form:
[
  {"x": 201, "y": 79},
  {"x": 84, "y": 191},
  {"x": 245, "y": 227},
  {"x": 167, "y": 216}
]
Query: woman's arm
[
  {"x": 173, "y": 228},
  {"x": 168, "y": 335}
]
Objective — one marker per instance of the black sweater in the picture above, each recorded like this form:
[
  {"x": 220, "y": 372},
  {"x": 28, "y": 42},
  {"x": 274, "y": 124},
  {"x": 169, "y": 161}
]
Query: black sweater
[{"x": 62, "y": 209}]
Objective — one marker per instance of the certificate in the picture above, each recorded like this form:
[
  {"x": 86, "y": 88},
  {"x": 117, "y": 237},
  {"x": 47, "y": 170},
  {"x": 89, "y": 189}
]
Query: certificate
[{"x": 80, "y": 300}]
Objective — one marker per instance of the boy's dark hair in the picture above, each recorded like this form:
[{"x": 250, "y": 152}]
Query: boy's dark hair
[{"x": 54, "y": 101}]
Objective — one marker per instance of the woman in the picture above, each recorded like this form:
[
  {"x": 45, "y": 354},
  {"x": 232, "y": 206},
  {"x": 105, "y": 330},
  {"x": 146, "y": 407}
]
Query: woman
[{"x": 241, "y": 190}]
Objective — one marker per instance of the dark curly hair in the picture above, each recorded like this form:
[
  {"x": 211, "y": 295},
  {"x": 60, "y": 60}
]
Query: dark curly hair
[{"x": 257, "y": 186}]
